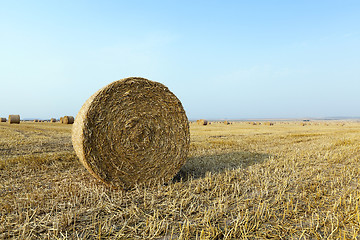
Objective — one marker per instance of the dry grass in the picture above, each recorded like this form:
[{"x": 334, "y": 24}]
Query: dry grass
[{"x": 240, "y": 182}]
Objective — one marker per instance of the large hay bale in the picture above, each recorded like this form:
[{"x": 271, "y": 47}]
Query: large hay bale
[
  {"x": 53, "y": 120},
  {"x": 202, "y": 122},
  {"x": 68, "y": 120},
  {"x": 130, "y": 132},
  {"x": 14, "y": 119},
  {"x": 61, "y": 120},
  {"x": 2, "y": 119}
]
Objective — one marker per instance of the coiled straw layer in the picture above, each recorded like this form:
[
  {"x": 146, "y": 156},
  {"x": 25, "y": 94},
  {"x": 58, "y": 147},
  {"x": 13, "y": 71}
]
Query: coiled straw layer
[{"x": 130, "y": 132}]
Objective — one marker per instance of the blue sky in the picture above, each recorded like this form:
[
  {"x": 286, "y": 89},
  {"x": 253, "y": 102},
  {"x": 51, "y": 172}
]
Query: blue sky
[{"x": 223, "y": 59}]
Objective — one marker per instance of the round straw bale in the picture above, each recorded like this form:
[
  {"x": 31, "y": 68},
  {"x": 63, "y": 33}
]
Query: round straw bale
[
  {"x": 130, "y": 132},
  {"x": 202, "y": 122},
  {"x": 2, "y": 119},
  {"x": 61, "y": 120},
  {"x": 14, "y": 119},
  {"x": 53, "y": 120},
  {"x": 68, "y": 119}
]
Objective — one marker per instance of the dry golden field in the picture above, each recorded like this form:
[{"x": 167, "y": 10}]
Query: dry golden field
[{"x": 242, "y": 181}]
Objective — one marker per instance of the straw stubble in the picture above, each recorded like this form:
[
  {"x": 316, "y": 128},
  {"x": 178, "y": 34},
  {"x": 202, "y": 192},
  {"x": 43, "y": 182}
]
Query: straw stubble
[{"x": 130, "y": 132}]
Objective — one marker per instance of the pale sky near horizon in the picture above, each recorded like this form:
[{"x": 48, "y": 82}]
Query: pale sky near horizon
[{"x": 222, "y": 59}]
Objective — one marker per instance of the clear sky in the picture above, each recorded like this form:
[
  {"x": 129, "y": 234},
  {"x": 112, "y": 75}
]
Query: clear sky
[{"x": 222, "y": 59}]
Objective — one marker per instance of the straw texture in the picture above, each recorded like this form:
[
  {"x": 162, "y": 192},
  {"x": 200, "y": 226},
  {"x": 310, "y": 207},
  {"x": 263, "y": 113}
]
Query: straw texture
[
  {"x": 130, "y": 132},
  {"x": 14, "y": 119}
]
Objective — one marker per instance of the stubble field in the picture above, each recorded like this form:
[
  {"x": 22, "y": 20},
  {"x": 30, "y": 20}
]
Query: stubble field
[{"x": 241, "y": 181}]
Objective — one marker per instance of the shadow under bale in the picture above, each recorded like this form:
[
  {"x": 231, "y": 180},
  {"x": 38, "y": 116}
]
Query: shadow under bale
[{"x": 197, "y": 167}]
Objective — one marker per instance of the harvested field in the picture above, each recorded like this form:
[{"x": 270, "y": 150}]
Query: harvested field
[{"x": 241, "y": 181}]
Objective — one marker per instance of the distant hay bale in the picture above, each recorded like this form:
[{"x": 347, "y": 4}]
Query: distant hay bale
[
  {"x": 269, "y": 123},
  {"x": 130, "y": 132},
  {"x": 68, "y": 120},
  {"x": 53, "y": 120},
  {"x": 35, "y": 120},
  {"x": 226, "y": 122},
  {"x": 61, "y": 120},
  {"x": 14, "y": 119},
  {"x": 2, "y": 119},
  {"x": 202, "y": 122}
]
